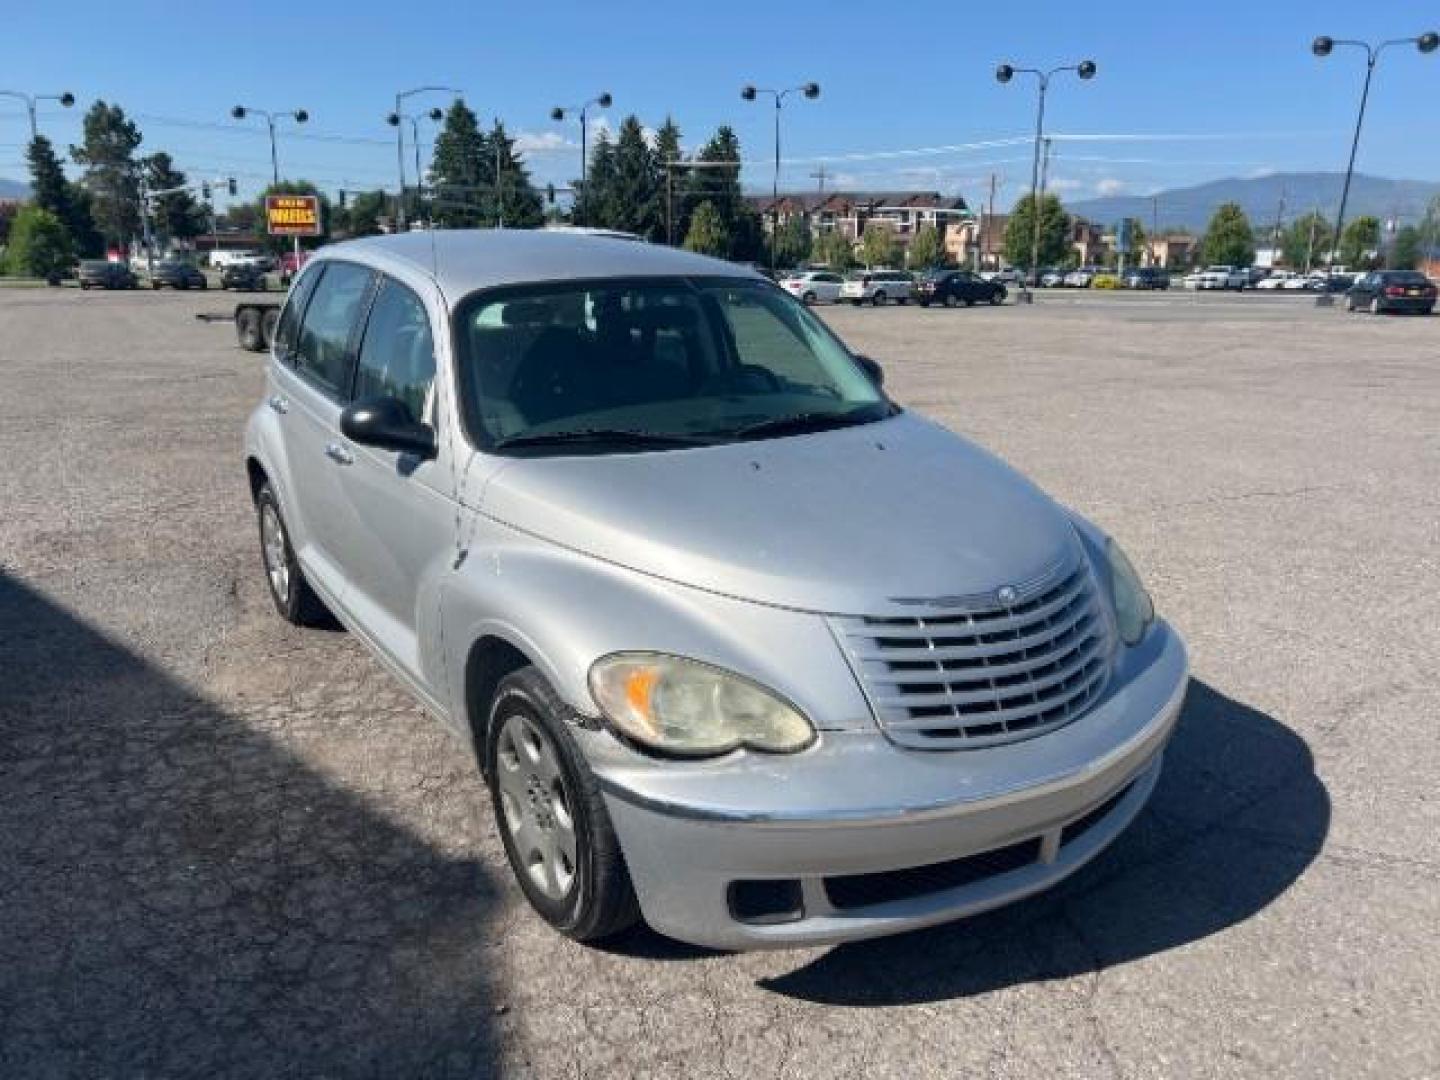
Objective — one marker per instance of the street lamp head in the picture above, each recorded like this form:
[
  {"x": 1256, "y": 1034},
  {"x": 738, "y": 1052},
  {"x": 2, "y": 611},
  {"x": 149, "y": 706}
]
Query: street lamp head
[
  {"x": 1004, "y": 73},
  {"x": 1086, "y": 70},
  {"x": 557, "y": 113},
  {"x": 748, "y": 93},
  {"x": 67, "y": 99},
  {"x": 1322, "y": 45},
  {"x": 436, "y": 115},
  {"x": 812, "y": 90},
  {"x": 238, "y": 112},
  {"x": 604, "y": 100},
  {"x": 393, "y": 119},
  {"x": 301, "y": 116},
  {"x": 1428, "y": 43}
]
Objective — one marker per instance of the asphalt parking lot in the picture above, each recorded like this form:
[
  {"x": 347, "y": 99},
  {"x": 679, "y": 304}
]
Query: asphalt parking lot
[{"x": 231, "y": 848}]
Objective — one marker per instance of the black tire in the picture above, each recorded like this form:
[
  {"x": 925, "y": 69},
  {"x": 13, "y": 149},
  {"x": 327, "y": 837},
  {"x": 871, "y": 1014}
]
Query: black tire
[
  {"x": 600, "y": 901},
  {"x": 969, "y": 301},
  {"x": 997, "y": 298},
  {"x": 923, "y": 303},
  {"x": 247, "y": 329},
  {"x": 268, "y": 321},
  {"x": 902, "y": 301},
  {"x": 294, "y": 599},
  {"x": 84, "y": 286},
  {"x": 808, "y": 298},
  {"x": 879, "y": 299},
  {"x": 949, "y": 300}
]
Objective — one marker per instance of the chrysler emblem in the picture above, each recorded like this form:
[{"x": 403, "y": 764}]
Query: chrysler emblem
[{"x": 1006, "y": 594}]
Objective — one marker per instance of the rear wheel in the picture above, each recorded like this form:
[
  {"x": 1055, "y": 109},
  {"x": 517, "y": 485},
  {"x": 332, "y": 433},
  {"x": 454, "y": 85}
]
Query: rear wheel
[
  {"x": 950, "y": 300},
  {"x": 247, "y": 329},
  {"x": 997, "y": 298},
  {"x": 552, "y": 819},
  {"x": 294, "y": 599},
  {"x": 879, "y": 299},
  {"x": 808, "y": 298},
  {"x": 268, "y": 322}
]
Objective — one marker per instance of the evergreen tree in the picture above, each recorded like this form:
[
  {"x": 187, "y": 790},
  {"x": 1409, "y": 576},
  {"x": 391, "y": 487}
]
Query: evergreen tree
[
  {"x": 462, "y": 170},
  {"x": 366, "y": 210},
  {"x": 927, "y": 250},
  {"x": 50, "y": 190},
  {"x": 177, "y": 216},
  {"x": 708, "y": 234},
  {"x": 111, "y": 174},
  {"x": 629, "y": 200},
  {"x": 1054, "y": 232},
  {"x": 1404, "y": 253},
  {"x": 597, "y": 199},
  {"x": 519, "y": 205},
  {"x": 1229, "y": 240},
  {"x": 670, "y": 218}
]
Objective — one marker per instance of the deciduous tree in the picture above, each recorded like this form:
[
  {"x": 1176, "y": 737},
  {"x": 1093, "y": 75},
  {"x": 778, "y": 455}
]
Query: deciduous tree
[
  {"x": 1305, "y": 242},
  {"x": 178, "y": 216},
  {"x": 1054, "y": 232},
  {"x": 834, "y": 249},
  {"x": 1404, "y": 253},
  {"x": 1229, "y": 240},
  {"x": 877, "y": 246},
  {"x": 1359, "y": 242},
  {"x": 793, "y": 244},
  {"x": 111, "y": 174},
  {"x": 39, "y": 245},
  {"x": 927, "y": 249}
]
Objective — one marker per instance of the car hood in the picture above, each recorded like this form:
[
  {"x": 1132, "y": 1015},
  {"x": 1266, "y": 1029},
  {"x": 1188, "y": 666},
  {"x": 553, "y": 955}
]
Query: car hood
[{"x": 864, "y": 520}]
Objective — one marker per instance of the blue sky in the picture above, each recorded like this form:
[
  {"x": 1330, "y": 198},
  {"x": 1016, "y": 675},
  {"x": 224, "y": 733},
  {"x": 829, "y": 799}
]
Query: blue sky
[{"x": 1184, "y": 93}]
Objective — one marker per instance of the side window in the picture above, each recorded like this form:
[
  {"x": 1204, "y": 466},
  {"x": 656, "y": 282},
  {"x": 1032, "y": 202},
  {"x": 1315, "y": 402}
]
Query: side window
[
  {"x": 397, "y": 358},
  {"x": 286, "y": 332},
  {"x": 323, "y": 351}
]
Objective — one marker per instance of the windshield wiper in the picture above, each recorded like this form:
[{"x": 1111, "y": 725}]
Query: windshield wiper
[
  {"x": 602, "y": 437},
  {"x": 797, "y": 423}
]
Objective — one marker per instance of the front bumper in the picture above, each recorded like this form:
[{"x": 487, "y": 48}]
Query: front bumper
[{"x": 848, "y": 818}]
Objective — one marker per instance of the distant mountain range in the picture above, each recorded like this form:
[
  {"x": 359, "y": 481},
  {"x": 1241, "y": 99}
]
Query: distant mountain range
[
  {"x": 13, "y": 189},
  {"x": 1259, "y": 197}
]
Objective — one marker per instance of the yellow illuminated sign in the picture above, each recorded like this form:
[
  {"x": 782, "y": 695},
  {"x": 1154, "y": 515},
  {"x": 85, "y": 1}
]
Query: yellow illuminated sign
[{"x": 292, "y": 215}]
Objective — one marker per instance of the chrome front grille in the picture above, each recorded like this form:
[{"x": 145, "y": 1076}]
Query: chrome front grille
[{"x": 991, "y": 673}]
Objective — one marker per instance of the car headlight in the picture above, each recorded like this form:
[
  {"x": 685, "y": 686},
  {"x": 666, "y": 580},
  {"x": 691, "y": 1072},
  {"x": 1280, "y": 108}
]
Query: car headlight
[
  {"x": 1134, "y": 610},
  {"x": 687, "y": 708}
]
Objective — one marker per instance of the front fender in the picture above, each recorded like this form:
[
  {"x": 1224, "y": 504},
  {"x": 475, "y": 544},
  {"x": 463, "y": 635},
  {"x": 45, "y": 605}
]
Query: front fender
[{"x": 565, "y": 610}]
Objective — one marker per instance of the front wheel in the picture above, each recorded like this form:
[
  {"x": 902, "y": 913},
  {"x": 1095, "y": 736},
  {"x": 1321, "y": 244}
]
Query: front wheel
[
  {"x": 879, "y": 299},
  {"x": 997, "y": 298},
  {"x": 950, "y": 301},
  {"x": 552, "y": 819}
]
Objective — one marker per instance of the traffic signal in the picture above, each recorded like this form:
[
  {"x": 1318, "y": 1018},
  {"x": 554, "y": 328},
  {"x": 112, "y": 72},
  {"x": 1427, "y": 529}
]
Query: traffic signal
[
  {"x": 231, "y": 185},
  {"x": 342, "y": 198},
  {"x": 550, "y": 194}
]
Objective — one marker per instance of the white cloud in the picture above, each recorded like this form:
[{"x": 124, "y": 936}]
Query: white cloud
[
  {"x": 1061, "y": 183},
  {"x": 543, "y": 142},
  {"x": 1110, "y": 186}
]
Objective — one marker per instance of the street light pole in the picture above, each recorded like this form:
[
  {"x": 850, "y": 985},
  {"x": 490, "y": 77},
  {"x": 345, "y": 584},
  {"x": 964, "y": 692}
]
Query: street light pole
[
  {"x": 300, "y": 116},
  {"x": 1003, "y": 74},
  {"x": 559, "y": 113},
  {"x": 400, "y": 145},
  {"x": 394, "y": 120},
  {"x": 1322, "y": 47},
  {"x": 811, "y": 90},
  {"x": 66, "y": 100}
]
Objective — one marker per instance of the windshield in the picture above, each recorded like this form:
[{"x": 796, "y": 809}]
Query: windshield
[{"x": 651, "y": 364}]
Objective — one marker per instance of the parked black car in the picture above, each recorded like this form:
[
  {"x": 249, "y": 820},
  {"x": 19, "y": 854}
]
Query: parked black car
[
  {"x": 1391, "y": 290},
  {"x": 1146, "y": 277},
  {"x": 1335, "y": 283},
  {"x": 951, "y": 287},
  {"x": 177, "y": 275},
  {"x": 244, "y": 277},
  {"x": 100, "y": 274}
]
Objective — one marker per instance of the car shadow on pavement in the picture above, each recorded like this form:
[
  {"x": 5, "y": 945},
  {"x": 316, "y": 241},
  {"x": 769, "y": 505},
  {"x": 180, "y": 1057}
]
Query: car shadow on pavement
[
  {"x": 1237, "y": 817},
  {"x": 183, "y": 897}
]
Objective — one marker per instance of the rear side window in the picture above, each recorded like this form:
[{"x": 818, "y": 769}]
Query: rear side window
[
  {"x": 285, "y": 333},
  {"x": 397, "y": 358},
  {"x": 328, "y": 327}
]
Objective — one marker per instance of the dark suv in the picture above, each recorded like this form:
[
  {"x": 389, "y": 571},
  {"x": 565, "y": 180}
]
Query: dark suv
[
  {"x": 1146, "y": 277},
  {"x": 951, "y": 287},
  {"x": 1391, "y": 290},
  {"x": 101, "y": 274},
  {"x": 246, "y": 277},
  {"x": 177, "y": 275}
]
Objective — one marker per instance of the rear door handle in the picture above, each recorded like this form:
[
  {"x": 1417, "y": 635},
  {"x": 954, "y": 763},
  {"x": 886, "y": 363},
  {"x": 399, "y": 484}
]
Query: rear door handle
[
  {"x": 279, "y": 404},
  {"x": 338, "y": 454}
]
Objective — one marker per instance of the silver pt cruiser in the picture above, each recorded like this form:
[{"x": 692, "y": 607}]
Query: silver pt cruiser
[{"x": 744, "y": 648}]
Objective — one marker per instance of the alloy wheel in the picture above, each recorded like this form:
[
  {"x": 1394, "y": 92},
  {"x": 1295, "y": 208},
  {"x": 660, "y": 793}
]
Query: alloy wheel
[
  {"x": 272, "y": 546},
  {"x": 535, "y": 802}
]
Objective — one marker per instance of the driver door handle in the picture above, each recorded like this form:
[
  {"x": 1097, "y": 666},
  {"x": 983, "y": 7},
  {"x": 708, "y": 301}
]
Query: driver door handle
[{"x": 338, "y": 454}]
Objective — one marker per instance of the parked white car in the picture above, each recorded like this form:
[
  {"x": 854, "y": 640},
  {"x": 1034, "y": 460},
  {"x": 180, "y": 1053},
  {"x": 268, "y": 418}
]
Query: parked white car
[
  {"x": 814, "y": 286},
  {"x": 878, "y": 287},
  {"x": 1280, "y": 279},
  {"x": 1217, "y": 277},
  {"x": 1081, "y": 278}
]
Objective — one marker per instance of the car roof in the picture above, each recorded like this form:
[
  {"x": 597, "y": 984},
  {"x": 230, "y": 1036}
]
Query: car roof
[{"x": 463, "y": 260}]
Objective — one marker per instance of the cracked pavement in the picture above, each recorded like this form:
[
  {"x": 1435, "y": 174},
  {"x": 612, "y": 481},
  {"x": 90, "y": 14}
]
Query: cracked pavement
[{"x": 232, "y": 848}]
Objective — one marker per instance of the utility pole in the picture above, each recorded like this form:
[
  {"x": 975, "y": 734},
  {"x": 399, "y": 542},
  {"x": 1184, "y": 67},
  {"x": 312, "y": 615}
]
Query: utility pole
[
  {"x": 1154, "y": 226},
  {"x": 1310, "y": 250},
  {"x": 820, "y": 174},
  {"x": 987, "y": 237},
  {"x": 1275, "y": 236}
]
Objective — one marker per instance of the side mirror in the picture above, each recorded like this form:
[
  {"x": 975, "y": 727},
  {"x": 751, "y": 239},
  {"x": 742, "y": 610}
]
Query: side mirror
[
  {"x": 872, "y": 369},
  {"x": 386, "y": 424}
]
